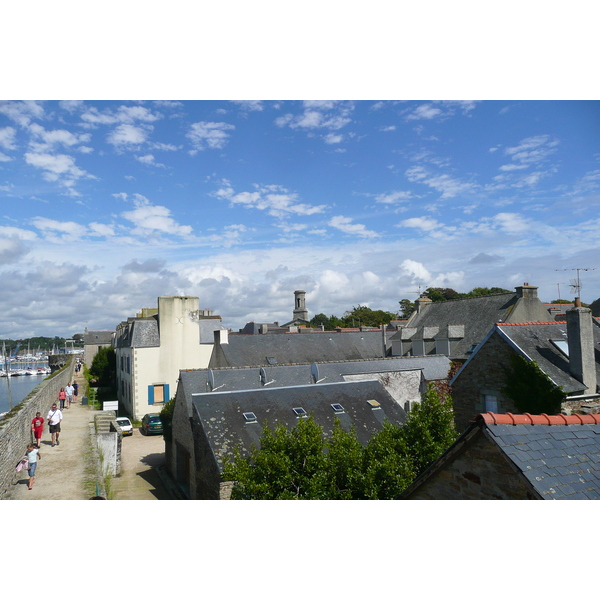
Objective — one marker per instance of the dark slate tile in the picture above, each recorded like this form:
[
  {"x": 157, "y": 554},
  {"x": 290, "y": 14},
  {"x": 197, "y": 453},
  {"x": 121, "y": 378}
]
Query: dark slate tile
[{"x": 593, "y": 494}]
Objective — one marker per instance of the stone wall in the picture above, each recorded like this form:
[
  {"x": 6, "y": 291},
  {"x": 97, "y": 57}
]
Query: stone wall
[
  {"x": 109, "y": 440},
  {"x": 480, "y": 472},
  {"x": 15, "y": 426},
  {"x": 483, "y": 375}
]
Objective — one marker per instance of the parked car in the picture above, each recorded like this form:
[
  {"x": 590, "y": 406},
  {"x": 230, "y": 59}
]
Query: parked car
[
  {"x": 151, "y": 423},
  {"x": 125, "y": 424}
]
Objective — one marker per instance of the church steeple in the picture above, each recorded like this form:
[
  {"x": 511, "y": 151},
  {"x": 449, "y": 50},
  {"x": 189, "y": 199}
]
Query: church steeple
[{"x": 300, "y": 312}]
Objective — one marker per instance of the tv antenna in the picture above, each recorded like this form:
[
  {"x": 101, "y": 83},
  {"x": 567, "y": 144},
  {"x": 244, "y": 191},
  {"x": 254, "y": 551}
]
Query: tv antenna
[
  {"x": 576, "y": 284},
  {"x": 559, "y": 284}
]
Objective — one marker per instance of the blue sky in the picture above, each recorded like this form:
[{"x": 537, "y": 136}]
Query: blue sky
[
  {"x": 108, "y": 204},
  {"x": 464, "y": 152}
]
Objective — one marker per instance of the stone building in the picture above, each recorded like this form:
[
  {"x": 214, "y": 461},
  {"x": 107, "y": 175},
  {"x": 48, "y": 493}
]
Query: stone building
[
  {"x": 455, "y": 327},
  {"x": 93, "y": 341},
  {"x": 206, "y": 427},
  {"x": 517, "y": 457},
  {"x": 567, "y": 352}
]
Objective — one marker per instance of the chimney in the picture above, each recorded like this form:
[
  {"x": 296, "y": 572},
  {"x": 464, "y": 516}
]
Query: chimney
[
  {"x": 421, "y": 303},
  {"x": 383, "y": 340},
  {"x": 580, "y": 334},
  {"x": 526, "y": 291},
  {"x": 221, "y": 337}
]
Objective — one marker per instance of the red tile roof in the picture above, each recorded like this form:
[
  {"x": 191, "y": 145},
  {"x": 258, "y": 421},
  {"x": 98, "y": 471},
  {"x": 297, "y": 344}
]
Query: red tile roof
[{"x": 527, "y": 419}]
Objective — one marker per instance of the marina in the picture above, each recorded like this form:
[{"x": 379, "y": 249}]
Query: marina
[{"x": 19, "y": 375}]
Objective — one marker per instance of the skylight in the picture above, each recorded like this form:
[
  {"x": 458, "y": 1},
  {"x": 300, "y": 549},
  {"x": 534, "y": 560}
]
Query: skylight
[
  {"x": 338, "y": 408},
  {"x": 373, "y": 404},
  {"x": 250, "y": 417},
  {"x": 299, "y": 411},
  {"x": 562, "y": 345}
]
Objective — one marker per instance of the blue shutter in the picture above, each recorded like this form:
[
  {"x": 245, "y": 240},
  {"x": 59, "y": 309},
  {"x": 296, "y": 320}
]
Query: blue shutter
[
  {"x": 166, "y": 396},
  {"x": 150, "y": 394}
]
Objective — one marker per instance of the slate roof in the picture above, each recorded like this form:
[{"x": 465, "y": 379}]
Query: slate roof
[
  {"x": 98, "y": 338},
  {"x": 249, "y": 378},
  {"x": 559, "y": 455},
  {"x": 262, "y": 350},
  {"x": 222, "y": 413},
  {"x": 533, "y": 340},
  {"x": 139, "y": 333},
  {"x": 475, "y": 315}
]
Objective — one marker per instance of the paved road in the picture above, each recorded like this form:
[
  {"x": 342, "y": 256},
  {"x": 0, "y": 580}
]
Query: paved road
[{"x": 66, "y": 472}]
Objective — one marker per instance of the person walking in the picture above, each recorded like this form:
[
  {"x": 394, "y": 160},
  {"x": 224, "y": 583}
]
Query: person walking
[
  {"x": 62, "y": 396},
  {"x": 69, "y": 391},
  {"x": 75, "y": 391},
  {"x": 54, "y": 418},
  {"x": 33, "y": 455},
  {"x": 37, "y": 426}
]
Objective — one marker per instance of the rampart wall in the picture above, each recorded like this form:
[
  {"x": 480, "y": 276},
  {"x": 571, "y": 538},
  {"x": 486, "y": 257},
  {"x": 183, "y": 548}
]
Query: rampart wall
[{"x": 15, "y": 426}]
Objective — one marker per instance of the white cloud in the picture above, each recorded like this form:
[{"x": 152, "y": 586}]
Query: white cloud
[
  {"x": 149, "y": 218},
  {"x": 7, "y": 138},
  {"x": 448, "y": 186},
  {"x": 22, "y": 112},
  {"x": 126, "y": 135},
  {"x": 345, "y": 225},
  {"x": 512, "y": 223},
  {"x": 332, "y": 138},
  {"x": 276, "y": 200},
  {"x": 4, "y": 158},
  {"x": 59, "y": 231},
  {"x": 57, "y": 167},
  {"x": 394, "y": 197},
  {"x": 319, "y": 114},
  {"x": 205, "y": 134},
  {"x": 148, "y": 159},
  {"x": 423, "y": 223},
  {"x": 100, "y": 229},
  {"x": 250, "y": 105}
]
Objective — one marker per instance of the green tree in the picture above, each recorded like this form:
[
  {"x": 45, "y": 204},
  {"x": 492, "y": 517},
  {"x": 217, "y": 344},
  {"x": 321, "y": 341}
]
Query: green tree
[
  {"x": 406, "y": 308},
  {"x": 530, "y": 389},
  {"x": 103, "y": 367},
  {"x": 363, "y": 315},
  {"x": 329, "y": 323},
  {"x": 429, "y": 429}
]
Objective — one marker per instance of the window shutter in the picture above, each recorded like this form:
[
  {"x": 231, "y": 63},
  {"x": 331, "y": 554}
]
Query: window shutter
[
  {"x": 166, "y": 396},
  {"x": 150, "y": 394}
]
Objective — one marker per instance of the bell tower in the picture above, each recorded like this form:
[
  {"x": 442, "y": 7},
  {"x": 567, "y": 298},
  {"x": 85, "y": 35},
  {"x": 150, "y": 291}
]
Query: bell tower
[{"x": 300, "y": 312}]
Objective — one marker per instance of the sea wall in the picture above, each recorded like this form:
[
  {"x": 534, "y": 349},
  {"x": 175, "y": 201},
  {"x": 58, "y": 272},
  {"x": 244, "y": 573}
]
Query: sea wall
[{"x": 15, "y": 426}]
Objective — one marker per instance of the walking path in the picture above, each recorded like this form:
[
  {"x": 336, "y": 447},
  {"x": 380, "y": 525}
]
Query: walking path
[
  {"x": 62, "y": 470},
  {"x": 67, "y": 471}
]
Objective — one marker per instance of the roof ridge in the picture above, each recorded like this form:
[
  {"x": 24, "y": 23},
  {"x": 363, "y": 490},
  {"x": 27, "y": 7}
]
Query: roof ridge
[
  {"x": 490, "y": 418},
  {"x": 534, "y": 323}
]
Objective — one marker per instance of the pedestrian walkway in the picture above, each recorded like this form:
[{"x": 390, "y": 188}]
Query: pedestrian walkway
[{"x": 62, "y": 471}]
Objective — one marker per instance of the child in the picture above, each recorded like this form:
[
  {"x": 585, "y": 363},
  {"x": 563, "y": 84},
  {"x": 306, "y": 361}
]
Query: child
[
  {"x": 37, "y": 426},
  {"x": 33, "y": 454}
]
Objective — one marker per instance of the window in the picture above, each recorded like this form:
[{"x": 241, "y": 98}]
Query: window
[
  {"x": 491, "y": 403},
  {"x": 250, "y": 417},
  {"x": 338, "y": 408},
  {"x": 562, "y": 345},
  {"x": 299, "y": 412}
]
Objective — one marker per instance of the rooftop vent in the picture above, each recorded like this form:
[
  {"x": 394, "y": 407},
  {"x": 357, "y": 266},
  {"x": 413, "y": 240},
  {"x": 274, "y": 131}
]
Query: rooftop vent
[
  {"x": 250, "y": 417},
  {"x": 271, "y": 360},
  {"x": 338, "y": 408},
  {"x": 373, "y": 404},
  {"x": 300, "y": 412}
]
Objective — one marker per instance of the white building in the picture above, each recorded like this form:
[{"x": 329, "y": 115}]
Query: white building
[{"x": 153, "y": 346}]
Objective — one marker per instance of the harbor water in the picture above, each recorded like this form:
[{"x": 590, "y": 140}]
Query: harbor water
[{"x": 19, "y": 388}]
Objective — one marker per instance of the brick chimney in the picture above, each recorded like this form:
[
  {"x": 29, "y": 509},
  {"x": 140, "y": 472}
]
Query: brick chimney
[
  {"x": 421, "y": 302},
  {"x": 580, "y": 334}
]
